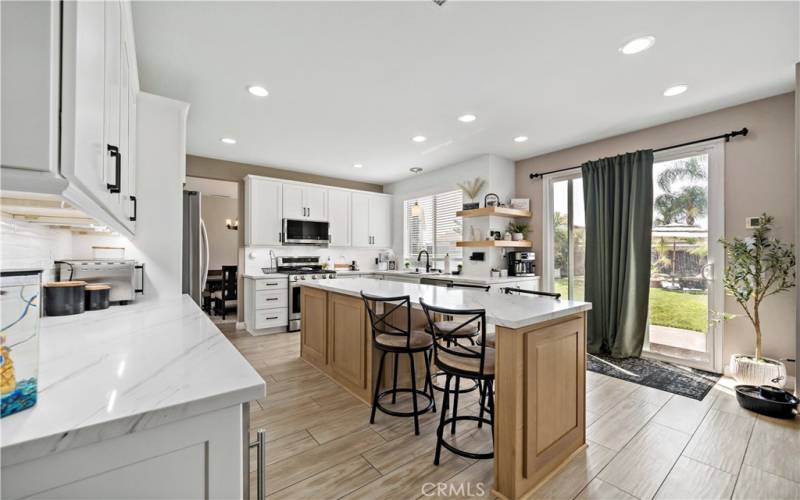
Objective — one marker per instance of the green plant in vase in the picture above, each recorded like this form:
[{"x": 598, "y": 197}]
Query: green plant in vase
[
  {"x": 518, "y": 230},
  {"x": 757, "y": 267}
]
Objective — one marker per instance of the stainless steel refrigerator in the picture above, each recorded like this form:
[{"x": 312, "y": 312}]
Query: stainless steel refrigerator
[{"x": 195, "y": 247}]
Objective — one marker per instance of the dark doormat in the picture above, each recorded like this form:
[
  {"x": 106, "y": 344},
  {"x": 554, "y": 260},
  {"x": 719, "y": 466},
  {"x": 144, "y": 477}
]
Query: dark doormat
[{"x": 676, "y": 379}]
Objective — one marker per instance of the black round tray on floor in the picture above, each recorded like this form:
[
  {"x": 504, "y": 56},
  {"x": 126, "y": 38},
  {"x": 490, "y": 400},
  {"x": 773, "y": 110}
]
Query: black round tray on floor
[{"x": 767, "y": 400}]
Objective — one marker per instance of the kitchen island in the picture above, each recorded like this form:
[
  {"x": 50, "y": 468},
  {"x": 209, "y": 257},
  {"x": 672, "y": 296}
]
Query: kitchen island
[
  {"x": 540, "y": 365},
  {"x": 139, "y": 401}
]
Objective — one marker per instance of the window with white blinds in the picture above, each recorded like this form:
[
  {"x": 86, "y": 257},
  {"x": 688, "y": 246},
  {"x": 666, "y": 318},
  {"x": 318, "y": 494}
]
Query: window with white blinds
[{"x": 431, "y": 224}]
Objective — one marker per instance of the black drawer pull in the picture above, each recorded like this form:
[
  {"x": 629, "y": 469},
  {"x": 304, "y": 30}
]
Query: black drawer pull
[
  {"x": 135, "y": 207},
  {"x": 272, "y": 298},
  {"x": 271, "y": 284},
  {"x": 272, "y": 317},
  {"x": 114, "y": 152}
]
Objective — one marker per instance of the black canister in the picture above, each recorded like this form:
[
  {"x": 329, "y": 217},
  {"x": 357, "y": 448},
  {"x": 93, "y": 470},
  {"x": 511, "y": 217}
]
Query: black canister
[
  {"x": 97, "y": 297},
  {"x": 62, "y": 298}
]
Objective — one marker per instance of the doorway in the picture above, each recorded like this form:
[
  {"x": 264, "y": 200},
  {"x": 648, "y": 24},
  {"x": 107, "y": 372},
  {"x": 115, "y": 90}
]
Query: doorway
[{"x": 686, "y": 294}]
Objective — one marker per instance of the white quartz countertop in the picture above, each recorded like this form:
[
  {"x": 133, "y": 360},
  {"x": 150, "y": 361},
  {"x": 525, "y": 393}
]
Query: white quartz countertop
[
  {"x": 510, "y": 311},
  {"x": 112, "y": 372},
  {"x": 265, "y": 276},
  {"x": 458, "y": 278}
]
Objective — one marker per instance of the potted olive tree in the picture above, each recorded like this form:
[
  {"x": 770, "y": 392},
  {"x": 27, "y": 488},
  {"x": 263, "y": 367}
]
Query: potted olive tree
[{"x": 757, "y": 267}]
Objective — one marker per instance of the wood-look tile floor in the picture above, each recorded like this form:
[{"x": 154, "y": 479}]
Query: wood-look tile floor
[{"x": 642, "y": 443}]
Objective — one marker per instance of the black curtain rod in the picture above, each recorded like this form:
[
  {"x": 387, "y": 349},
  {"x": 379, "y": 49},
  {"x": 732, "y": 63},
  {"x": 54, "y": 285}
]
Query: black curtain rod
[{"x": 727, "y": 138}]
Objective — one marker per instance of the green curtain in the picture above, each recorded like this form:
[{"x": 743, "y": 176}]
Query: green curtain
[{"x": 618, "y": 201}]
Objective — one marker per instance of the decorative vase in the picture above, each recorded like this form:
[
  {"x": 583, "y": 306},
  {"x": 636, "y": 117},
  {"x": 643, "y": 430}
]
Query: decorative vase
[
  {"x": 517, "y": 236},
  {"x": 765, "y": 371}
]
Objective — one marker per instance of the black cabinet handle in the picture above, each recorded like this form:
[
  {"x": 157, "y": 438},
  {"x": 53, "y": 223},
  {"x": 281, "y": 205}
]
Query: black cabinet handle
[
  {"x": 271, "y": 284},
  {"x": 272, "y": 298},
  {"x": 140, "y": 290},
  {"x": 114, "y": 152},
  {"x": 135, "y": 207},
  {"x": 272, "y": 317}
]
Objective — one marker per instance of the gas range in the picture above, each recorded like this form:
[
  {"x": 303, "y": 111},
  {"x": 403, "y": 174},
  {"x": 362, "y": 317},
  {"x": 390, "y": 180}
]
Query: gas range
[
  {"x": 303, "y": 268},
  {"x": 308, "y": 274},
  {"x": 299, "y": 269}
]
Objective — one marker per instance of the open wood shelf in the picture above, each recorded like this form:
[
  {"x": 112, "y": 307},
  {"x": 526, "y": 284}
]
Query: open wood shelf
[
  {"x": 495, "y": 243},
  {"x": 495, "y": 211}
]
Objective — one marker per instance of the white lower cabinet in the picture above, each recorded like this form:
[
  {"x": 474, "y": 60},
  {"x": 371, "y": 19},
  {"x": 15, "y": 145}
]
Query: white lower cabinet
[
  {"x": 266, "y": 304},
  {"x": 203, "y": 456}
]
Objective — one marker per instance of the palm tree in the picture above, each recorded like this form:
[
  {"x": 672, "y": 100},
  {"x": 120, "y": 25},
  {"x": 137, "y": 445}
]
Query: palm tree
[
  {"x": 689, "y": 170},
  {"x": 690, "y": 202}
]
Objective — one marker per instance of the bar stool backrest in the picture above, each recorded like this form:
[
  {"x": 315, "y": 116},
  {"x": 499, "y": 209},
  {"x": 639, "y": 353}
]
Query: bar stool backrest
[
  {"x": 446, "y": 341},
  {"x": 510, "y": 290},
  {"x": 379, "y": 316},
  {"x": 485, "y": 288}
]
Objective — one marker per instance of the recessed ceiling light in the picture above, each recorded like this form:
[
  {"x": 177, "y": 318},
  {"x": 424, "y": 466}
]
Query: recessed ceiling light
[
  {"x": 419, "y": 138},
  {"x": 357, "y": 165},
  {"x": 258, "y": 91},
  {"x": 228, "y": 140},
  {"x": 467, "y": 118},
  {"x": 415, "y": 170},
  {"x": 520, "y": 138},
  {"x": 676, "y": 90},
  {"x": 637, "y": 45}
]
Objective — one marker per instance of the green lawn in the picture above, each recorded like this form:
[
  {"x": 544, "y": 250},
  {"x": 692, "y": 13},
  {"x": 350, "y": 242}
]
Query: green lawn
[
  {"x": 669, "y": 308},
  {"x": 679, "y": 309}
]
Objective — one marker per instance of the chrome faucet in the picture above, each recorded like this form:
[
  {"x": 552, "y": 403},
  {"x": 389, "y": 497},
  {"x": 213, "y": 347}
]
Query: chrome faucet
[{"x": 427, "y": 259}]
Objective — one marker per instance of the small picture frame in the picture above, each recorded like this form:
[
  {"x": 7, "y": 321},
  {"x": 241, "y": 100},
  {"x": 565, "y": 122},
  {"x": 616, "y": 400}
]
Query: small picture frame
[{"x": 521, "y": 203}]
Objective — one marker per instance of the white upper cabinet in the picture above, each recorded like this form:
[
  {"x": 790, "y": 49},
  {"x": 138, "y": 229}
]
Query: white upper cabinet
[
  {"x": 85, "y": 51},
  {"x": 339, "y": 217},
  {"x": 371, "y": 220},
  {"x": 359, "y": 226},
  {"x": 293, "y": 207},
  {"x": 380, "y": 214},
  {"x": 305, "y": 202},
  {"x": 355, "y": 218},
  {"x": 316, "y": 202},
  {"x": 262, "y": 205}
]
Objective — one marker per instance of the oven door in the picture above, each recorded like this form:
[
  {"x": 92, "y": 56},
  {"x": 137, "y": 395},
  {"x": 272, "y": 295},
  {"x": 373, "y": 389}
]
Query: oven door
[
  {"x": 305, "y": 232},
  {"x": 294, "y": 306}
]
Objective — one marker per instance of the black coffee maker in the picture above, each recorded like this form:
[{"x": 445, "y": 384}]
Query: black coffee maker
[{"x": 521, "y": 264}]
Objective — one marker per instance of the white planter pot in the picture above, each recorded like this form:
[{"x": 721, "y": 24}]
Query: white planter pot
[
  {"x": 750, "y": 372},
  {"x": 517, "y": 236}
]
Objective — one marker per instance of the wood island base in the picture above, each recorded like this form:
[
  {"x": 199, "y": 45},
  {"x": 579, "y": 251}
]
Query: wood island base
[{"x": 540, "y": 419}]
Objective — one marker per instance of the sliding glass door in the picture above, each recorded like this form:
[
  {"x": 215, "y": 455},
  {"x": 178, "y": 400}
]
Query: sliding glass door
[
  {"x": 686, "y": 294},
  {"x": 686, "y": 258},
  {"x": 565, "y": 239}
]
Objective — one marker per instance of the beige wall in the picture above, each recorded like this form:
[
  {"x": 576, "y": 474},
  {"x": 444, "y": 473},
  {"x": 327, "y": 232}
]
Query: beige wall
[
  {"x": 223, "y": 242},
  {"x": 759, "y": 177}
]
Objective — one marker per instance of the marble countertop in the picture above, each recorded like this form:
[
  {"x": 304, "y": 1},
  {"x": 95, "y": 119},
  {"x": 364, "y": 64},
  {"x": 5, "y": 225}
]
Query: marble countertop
[
  {"x": 459, "y": 278},
  {"x": 265, "y": 276},
  {"x": 107, "y": 373},
  {"x": 510, "y": 311}
]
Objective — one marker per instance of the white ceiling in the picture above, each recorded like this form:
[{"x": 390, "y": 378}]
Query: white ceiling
[{"x": 353, "y": 82}]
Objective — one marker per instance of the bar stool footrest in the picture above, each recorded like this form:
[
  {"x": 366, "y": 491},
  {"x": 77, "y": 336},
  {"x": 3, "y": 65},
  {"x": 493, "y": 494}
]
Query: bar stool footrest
[
  {"x": 394, "y": 413},
  {"x": 458, "y": 451},
  {"x": 439, "y": 388}
]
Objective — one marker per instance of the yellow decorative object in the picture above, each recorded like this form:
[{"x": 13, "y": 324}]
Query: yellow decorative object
[{"x": 8, "y": 381}]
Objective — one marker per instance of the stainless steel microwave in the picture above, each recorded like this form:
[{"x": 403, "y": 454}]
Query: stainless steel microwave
[{"x": 305, "y": 232}]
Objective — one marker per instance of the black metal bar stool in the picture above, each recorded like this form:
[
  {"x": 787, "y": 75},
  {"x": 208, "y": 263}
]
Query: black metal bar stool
[
  {"x": 389, "y": 338},
  {"x": 469, "y": 333},
  {"x": 458, "y": 361}
]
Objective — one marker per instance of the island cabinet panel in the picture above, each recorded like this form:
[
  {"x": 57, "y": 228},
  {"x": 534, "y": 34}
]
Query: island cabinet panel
[
  {"x": 348, "y": 343},
  {"x": 313, "y": 328},
  {"x": 540, "y": 394}
]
